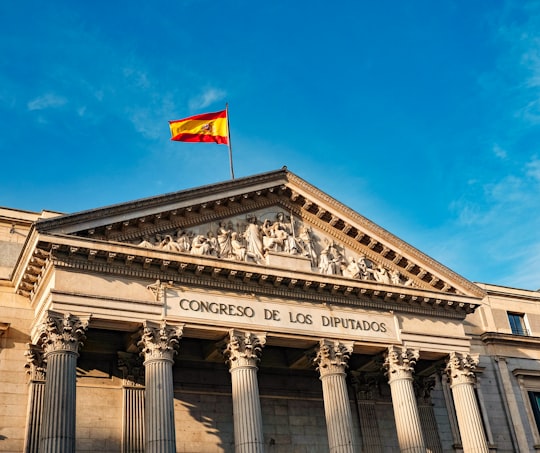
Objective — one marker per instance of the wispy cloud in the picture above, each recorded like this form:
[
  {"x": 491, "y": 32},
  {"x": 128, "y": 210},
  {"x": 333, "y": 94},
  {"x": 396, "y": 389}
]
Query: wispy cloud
[
  {"x": 499, "y": 152},
  {"x": 49, "y": 100},
  {"x": 519, "y": 61},
  {"x": 206, "y": 98},
  {"x": 533, "y": 169},
  {"x": 527, "y": 273},
  {"x": 137, "y": 77}
]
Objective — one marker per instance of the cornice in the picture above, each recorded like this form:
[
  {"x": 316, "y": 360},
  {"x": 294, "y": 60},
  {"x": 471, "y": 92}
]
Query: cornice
[
  {"x": 533, "y": 296},
  {"x": 379, "y": 233},
  {"x": 237, "y": 185},
  {"x": 238, "y": 277},
  {"x": 496, "y": 338}
]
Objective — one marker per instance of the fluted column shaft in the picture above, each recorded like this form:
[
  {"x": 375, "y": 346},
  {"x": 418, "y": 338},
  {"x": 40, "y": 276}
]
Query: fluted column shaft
[
  {"x": 61, "y": 337},
  {"x": 158, "y": 343},
  {"x": 369, "y": 426},
  {"x": 424, "y": 386},
  {"x": 133, "y": 432},
  {"x": 331, "y": 359},
  {"x": 399, "y": 364},
  {"x": 243, "y": 352},
  {"x": 367, "y": 389},
  {"x": 133, "y": 410},
  {"x": 460, "y": 370}
]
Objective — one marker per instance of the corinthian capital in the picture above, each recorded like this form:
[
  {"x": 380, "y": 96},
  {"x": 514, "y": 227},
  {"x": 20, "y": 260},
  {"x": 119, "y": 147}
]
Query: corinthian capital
[
  {"x": 159, "y": 341},
  {"x": 460, "y": 368},
  {"x": 132, "y": 368},
  {"x": 332, "y": 356},
  {"x": 399, "y": 362},
  {"x": 62, "y": 332},
  {"x": 35, "y": 362},
  {"x": 244, "y": 348}
]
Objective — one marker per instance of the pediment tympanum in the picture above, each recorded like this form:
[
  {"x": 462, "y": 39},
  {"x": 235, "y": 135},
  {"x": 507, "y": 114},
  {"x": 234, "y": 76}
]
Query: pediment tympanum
[
  {"x": 274, "y": 237},
  {"x": 274, "y": 220}
]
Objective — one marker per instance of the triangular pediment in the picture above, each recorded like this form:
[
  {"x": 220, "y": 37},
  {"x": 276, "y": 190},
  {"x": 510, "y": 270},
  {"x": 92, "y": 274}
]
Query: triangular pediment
[{"x": 273, "y": 220}]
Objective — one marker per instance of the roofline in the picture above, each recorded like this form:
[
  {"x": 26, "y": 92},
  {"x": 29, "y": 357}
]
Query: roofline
[{"x": 124, "y": 207}]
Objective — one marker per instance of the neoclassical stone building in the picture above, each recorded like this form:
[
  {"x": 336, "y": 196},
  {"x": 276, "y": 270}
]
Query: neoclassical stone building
[{"x": 254, "y": 315}]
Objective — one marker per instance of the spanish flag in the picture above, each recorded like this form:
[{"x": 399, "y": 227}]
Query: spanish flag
[{"x": 207, "y": 127}]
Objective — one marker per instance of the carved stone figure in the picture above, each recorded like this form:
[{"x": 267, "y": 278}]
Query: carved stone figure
[
  {"x": 330, "y": 260},
  {"x": 254, "y": 248},
  {"x": 183, "y": 241},
  {"x": 306, "y": 245},
  {"x": 380, "y": 274},
  {"x": 252, "y": 240},
  {"x": 213, "y": 244},
  {"x": 200, "y": 245},
  {"x": 273, "y": 238},
  {"x": 169, "y": 244},
  {"x": 286, "y": 230},
  {"x": 146, "y": 243},
  {"x": 363, "y": 266},
  {"x": 224, "y": 241},
  {"x": 352, "y": 270},
  {"x": 238, "y": 248}
]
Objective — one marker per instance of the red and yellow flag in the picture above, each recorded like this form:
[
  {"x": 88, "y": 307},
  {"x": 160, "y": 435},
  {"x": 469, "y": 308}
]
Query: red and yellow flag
[{"x": 207, "y": 127}]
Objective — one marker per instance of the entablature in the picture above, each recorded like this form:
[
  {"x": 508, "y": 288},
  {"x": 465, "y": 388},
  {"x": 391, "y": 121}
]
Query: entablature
[{"x": 86, "y": 255}]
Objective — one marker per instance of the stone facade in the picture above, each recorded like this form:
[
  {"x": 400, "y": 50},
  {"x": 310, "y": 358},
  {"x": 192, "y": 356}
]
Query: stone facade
[{"x": 255, "y": 315}]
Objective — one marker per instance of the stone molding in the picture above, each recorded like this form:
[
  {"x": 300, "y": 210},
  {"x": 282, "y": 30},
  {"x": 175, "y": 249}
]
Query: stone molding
[
  {"x": 181, "y": 268},
  {"x": 209, "y": 272}
]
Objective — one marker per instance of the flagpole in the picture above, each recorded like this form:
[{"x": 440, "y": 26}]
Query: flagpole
[{"x": 229, "y": 139}]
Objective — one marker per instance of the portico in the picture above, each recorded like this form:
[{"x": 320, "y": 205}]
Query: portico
[{"x": 319, "y": 342}]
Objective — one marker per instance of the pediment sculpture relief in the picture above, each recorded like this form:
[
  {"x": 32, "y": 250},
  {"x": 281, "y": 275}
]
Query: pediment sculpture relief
[{"x": 254, "y": 237}]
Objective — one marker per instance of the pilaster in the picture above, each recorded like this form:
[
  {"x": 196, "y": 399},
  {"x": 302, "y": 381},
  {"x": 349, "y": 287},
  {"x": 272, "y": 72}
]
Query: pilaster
[
  {"x": 132, "y": 368},
  {"x": 367, "y": 389},
  {"x": 423, "y": 386},
  {"x": 36, "y": 368}
]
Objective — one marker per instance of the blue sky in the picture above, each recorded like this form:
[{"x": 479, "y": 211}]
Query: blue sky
[{"x": 422, "y": 116}]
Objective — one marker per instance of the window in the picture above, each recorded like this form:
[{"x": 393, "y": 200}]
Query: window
[
  {"x": 517, "y": 324},
  {"x": 535, "y": 404}
]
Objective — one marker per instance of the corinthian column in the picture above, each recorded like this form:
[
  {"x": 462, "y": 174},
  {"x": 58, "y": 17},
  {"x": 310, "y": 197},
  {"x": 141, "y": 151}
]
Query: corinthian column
[
  {"x": 158, "y": 343},
  {"x": 331, "y": 360},
  {"x": 61, "y": 335},
  {"x": 460, "y": 370},
  {"x": 243, "y": 352},
  {"x": 399, "y": 366}
]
